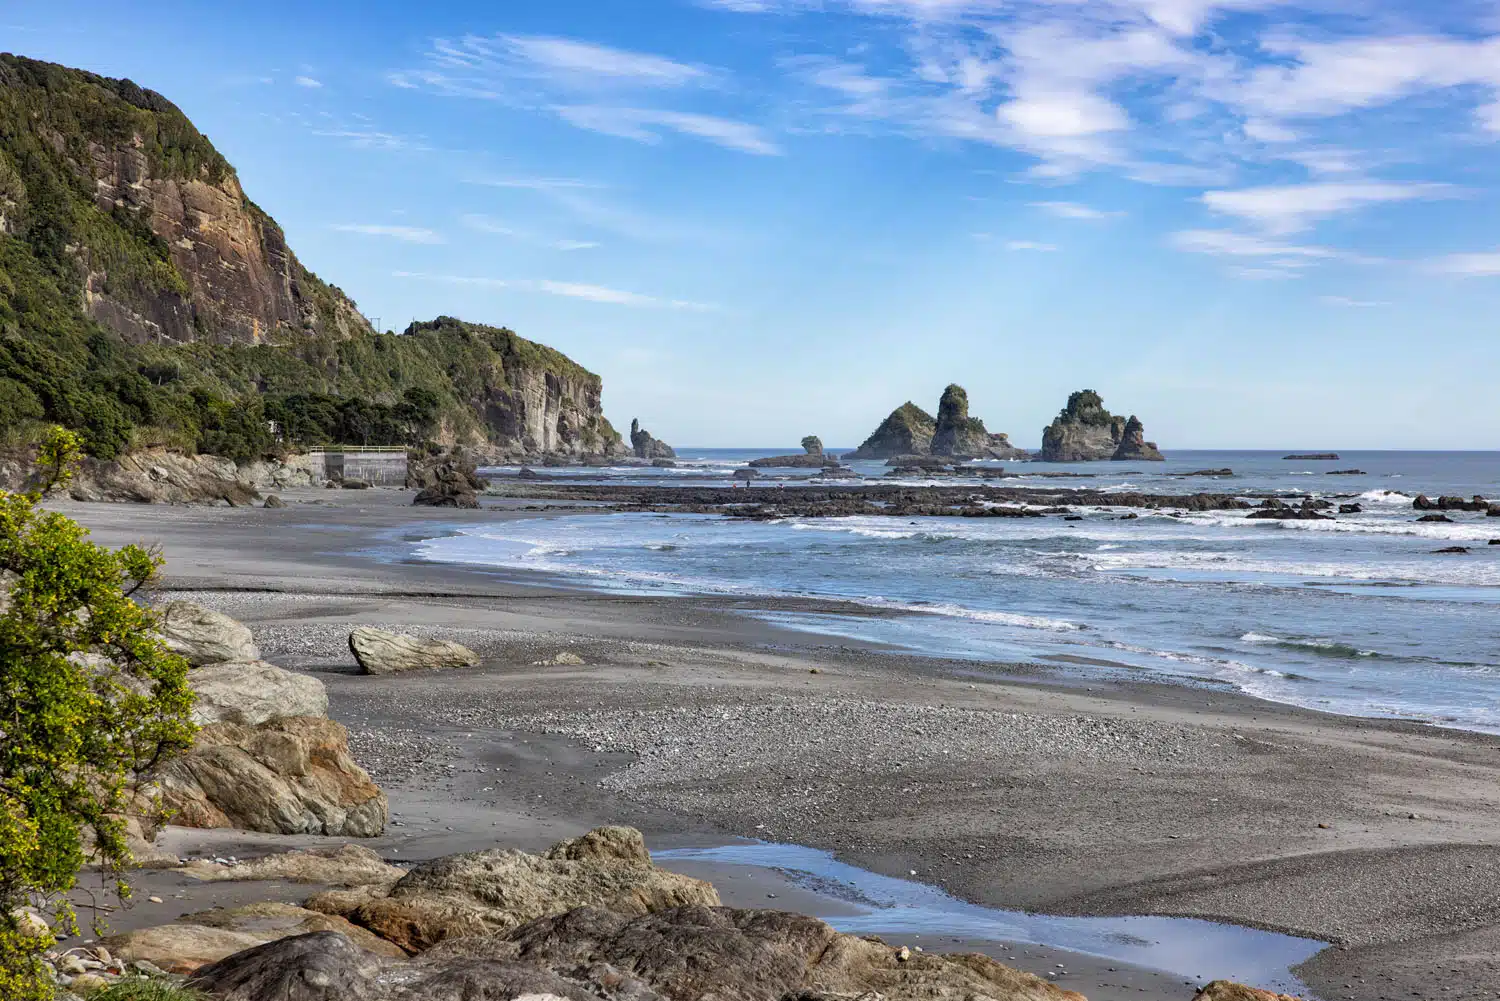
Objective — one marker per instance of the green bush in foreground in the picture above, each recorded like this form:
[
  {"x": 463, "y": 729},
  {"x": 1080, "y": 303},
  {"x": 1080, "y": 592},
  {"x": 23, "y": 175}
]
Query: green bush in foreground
[
  {"x": 147, "y": 990},
  {"x": 89, "y": 700}
]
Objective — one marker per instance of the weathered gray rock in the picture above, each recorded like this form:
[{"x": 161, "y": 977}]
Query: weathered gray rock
[
  {"x": 344, "y": 865},
  {"x": 254, "y": 692},
  {"x": 322, "y": 966},
  {"x": 450, "y": 480},
  {"x": 730, "y": 954},
  {"x": 647, "y": 447},
  {"x": 495, "y": 891},
  {"x": 382, "y": 652},
  {"x": 288, "y": 776},
  {"x": 204, "y": 636}
]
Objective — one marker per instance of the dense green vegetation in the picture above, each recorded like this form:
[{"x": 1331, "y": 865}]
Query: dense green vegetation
[
  {"x": 91, "y": 700},
  {"x": 440, "y": 379},
  {"x": 1086, "y": 407}
]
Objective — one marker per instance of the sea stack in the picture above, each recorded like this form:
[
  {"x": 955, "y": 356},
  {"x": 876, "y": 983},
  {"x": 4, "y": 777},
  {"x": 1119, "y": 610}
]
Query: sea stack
[
  {"x": 812, "y": 457},
  {"x": 909, "y": 430},
  {"x": 1086, "y": 432},
  {"x": 647, "y": 447}
]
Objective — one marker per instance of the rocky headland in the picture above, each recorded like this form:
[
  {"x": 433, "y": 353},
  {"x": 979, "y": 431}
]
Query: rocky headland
[{"x": 1086, "y": 432}]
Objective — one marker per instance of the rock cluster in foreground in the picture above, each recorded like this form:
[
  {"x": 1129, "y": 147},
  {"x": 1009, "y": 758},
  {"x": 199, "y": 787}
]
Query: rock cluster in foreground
[
  {"x": 1085, "y": 432},
  {"x": 267, "y": 757}
]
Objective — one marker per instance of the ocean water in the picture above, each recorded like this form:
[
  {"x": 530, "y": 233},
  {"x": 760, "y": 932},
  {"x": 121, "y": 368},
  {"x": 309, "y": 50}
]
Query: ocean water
[{"x": 1357, "y": 615}]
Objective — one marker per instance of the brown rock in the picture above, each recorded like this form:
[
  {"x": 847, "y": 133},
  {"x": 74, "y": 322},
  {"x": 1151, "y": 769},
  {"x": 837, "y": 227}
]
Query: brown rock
[
  {"x": 288, "y": 776},
  {"x": 495, "y": 891},
  {"x": 271, "y": 921},
  {"x": 1223, "y": 990}
]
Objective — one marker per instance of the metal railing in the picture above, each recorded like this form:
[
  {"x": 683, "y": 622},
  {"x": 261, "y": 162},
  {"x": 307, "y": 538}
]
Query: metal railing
[{"x": 357, "y": 449}]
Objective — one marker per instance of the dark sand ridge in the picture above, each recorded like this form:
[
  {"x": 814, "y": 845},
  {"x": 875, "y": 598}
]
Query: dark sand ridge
[{"x": 1089, "y": 798}]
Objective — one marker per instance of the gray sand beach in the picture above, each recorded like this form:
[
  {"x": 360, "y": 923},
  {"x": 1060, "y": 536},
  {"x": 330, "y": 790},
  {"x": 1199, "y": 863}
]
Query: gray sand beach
[{"x": 1006, "y": 785}]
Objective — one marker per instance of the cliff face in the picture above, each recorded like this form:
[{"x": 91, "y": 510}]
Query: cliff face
[
  {"x": 162, "y": 243},
  {"x": 145, "y": 299},
  {"x": 1086, "y": 432},
  {"x": 530, "y": 398}
]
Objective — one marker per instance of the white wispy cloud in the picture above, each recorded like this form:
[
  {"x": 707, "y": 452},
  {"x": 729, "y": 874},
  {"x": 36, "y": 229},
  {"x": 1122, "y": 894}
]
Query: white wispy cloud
[
  {"x": 1073, "y": 210},
  {"x": 495, "y": 227},
  {"x": 596, "y": 87},
  {"x": 566, "y": 289},
  {"x": 645, "y": 125},
  {"x": 409, "y": 234},
  {"x": 1341, "y": 300},
  {"x": 1479, "y": 265},
  {"x": 308, "y": 82},
  {"x": 1225, "y": 243},
  {"x": 1030, "y": 245},
  {"x": 1288, "y": 208}
]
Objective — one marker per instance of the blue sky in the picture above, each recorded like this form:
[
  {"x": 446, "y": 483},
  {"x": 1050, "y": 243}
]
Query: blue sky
[{"x": 1255, "y": 223}]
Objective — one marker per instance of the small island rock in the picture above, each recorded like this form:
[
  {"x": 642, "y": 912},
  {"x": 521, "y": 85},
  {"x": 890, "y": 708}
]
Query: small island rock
[{"x": 647, "y": 447}]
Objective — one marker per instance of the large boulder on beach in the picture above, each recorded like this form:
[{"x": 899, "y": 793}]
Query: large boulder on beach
[
  {"x": 731, "y": 954},
  {"x": 253, "y": 692},
  {"x": 493, "y": 892},
  {"x": 204, "y": 636},
  {"x": 287, "y": 776},
  {"x": 1224, "y": 990},
  {"x": 445, "y": 480},
  {"x": 381, "y": 652},
  {"x": 321, "y": 966}
]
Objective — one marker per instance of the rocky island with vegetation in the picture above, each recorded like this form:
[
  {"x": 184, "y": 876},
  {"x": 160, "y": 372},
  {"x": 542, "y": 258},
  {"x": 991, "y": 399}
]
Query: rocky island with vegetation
[{"x": 1086, "y": 432}]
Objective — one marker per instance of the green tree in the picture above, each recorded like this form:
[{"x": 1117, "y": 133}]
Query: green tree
[{"x": 90, "y": 701}]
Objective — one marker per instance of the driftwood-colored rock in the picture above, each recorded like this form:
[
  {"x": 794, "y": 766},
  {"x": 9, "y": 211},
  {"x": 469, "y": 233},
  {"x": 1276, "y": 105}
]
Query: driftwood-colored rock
[
  {"x": 382, "y": 652},
  {"x": 288, "y": 776},
  {"x": 254, "y": 692},
  {"x": 205, "y": 636},
  {"x": 180, "y": 947},
  {"x": 344, "y": 865}
]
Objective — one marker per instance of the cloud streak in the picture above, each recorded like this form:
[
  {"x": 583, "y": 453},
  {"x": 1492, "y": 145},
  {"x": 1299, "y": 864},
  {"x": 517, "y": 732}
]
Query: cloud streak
[
  {"x": 566, "y": 289},
  {"x": 407, "y": 234}
]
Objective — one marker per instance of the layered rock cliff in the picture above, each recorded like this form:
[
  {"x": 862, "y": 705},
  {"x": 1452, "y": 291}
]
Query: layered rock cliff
[
  {"x": 144, "y": 299},
  {"x": 161, "y": 239},
  {"x": 1086, "y": 432}
]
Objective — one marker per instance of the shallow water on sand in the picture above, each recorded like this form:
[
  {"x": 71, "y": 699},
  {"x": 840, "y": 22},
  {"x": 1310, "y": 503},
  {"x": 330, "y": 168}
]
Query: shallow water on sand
[{"x": 883, "y": 905}]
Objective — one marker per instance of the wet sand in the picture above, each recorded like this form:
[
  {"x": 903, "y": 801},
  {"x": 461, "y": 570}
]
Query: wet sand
[{"x": 1015, "y": 787}]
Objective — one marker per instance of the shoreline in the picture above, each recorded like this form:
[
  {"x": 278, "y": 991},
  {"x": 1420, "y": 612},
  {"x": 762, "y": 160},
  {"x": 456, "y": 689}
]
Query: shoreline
[{"x": 1207, "y": 807}]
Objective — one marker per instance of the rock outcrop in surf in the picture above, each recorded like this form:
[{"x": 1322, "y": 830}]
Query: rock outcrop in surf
[
  {"x": 647, "y": 447},
  {"x": 1086, "y": 432},
  {"x": 953, "y": 434}
]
